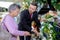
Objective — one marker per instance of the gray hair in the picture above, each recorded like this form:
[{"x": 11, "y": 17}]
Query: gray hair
[{"x": 13, "y": 7}]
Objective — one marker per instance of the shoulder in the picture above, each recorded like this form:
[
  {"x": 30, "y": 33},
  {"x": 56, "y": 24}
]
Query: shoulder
[
  {"x": 35, "y": 13},
  {"x": 24, "y": 10},
  {"x": 7, "y": 18}
]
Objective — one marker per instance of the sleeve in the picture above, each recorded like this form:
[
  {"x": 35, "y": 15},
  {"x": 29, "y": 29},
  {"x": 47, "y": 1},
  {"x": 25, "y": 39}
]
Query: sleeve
[
  {"x": 24, "y": 22},
  {"x": 35, "y": 18},
  {"x": 10, "y": 26}
]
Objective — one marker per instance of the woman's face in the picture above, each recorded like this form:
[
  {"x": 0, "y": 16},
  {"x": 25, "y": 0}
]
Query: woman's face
[{"x": 16, "y": 12}]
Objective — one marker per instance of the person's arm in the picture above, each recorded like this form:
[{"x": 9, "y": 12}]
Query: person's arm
[
  {"x": 11, "y": 28},
  {"x": 35, "y": 18},
  {"x": 24, "y": 22}
]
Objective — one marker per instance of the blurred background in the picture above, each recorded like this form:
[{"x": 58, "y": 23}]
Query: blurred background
[{"x": 44, "y": 7}]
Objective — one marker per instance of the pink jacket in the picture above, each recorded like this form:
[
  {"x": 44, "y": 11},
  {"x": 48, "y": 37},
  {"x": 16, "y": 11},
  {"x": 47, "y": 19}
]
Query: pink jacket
[{"x": 12, "y": 27}]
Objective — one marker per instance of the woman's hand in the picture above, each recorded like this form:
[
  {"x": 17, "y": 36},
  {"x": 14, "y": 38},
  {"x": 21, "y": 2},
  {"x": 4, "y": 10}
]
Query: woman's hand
[{"x": 26, "y": 33}]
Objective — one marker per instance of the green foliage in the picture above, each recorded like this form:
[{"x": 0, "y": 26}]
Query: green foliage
[
  {"x": 57, "y": 6},
  {"x": 46, "y": 29},
  {"x": 50, "y": 29},
  {"x": 53, "y": 2},
  {"x": 49, "y": 16},
  {"x": 25, "y": 4},
  {"x": 41, "y": 1}
]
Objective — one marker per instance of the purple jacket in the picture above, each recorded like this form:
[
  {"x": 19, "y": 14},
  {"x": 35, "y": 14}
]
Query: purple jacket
[{"x": 12, "y": 27}]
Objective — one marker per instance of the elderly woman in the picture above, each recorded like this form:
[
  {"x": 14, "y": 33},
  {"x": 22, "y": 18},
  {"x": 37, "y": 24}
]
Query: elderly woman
[{"x": 11, "y": 25}]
